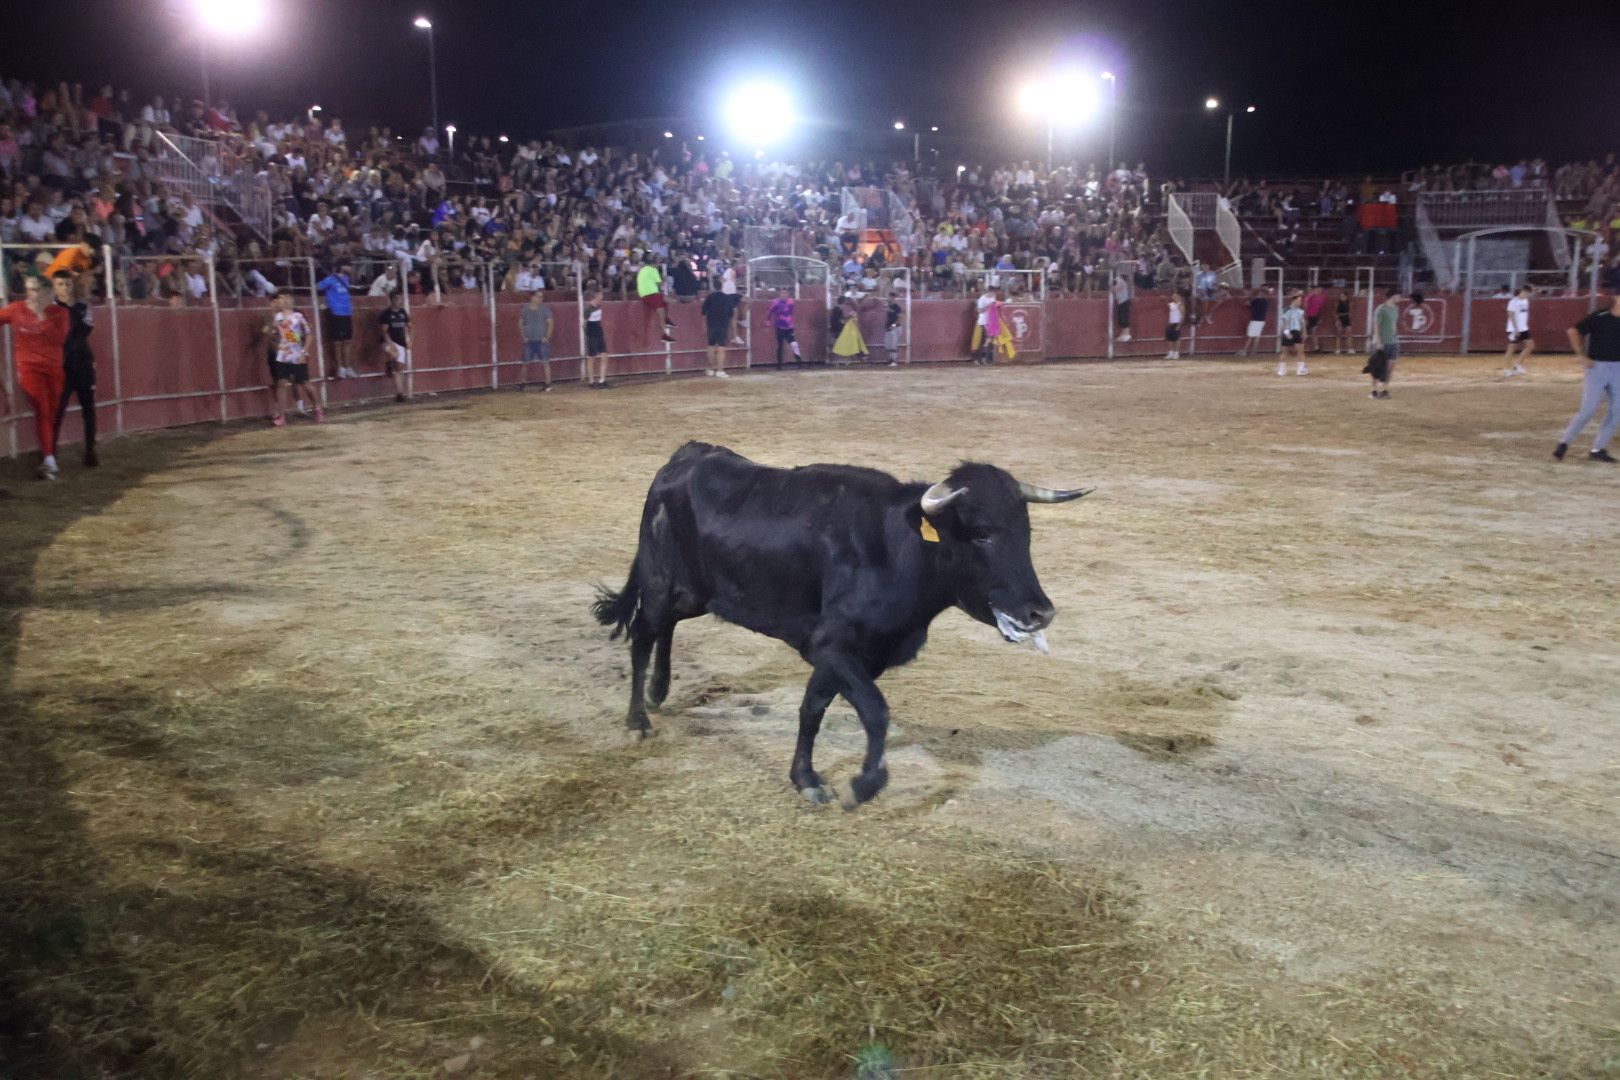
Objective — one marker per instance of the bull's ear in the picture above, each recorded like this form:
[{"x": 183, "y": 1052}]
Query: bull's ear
[
  {"x": 940, "y": 496},
  {"x": 1033, "y": 494}
]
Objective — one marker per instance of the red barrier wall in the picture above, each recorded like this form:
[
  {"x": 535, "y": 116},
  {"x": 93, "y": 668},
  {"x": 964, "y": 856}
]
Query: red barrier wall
[{"x": 170, "y": 352}]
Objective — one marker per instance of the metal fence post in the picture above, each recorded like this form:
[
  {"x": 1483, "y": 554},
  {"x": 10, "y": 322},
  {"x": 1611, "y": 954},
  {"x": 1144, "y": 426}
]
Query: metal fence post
[
  {"x": 579, "y": 310},
  {"x": 320, "y": 341},
  {"x": 1466, "y": 280},
  {"x": 410, "y": 371},
  {"x": 1108, "y": 328},
  {"x": 494, "y": 351},
  {"x": 219, "y": 340},
  {"x": 117, "y": 369}
]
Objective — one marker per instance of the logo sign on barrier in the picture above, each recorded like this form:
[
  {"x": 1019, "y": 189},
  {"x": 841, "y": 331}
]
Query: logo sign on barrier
[
  {"x": 1424, "y": 322},
  {"x": 1025, "y": 320}
]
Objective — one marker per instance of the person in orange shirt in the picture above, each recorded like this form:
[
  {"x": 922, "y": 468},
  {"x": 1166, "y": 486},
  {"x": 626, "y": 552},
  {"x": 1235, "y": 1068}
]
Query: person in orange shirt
[
  {"x": 39, "y": 329},
  {"x": 76, "y": 259}
]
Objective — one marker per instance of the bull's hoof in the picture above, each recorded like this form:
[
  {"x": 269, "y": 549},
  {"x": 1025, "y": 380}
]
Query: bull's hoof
[
  {"x": 816, "y": 796},
  {"x": 637, "y": 722},
  {"x": 867, "y": 785}
]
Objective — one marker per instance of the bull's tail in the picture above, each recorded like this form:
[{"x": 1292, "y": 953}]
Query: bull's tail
[{"x": 617, "y": 609}]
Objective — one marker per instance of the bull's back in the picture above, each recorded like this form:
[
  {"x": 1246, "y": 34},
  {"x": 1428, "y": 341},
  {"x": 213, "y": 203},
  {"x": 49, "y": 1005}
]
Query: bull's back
[{"x": 755, "y": 544}]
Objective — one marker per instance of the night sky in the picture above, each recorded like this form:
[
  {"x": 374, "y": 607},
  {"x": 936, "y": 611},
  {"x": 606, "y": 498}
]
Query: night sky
[{"x": 1337, "y": 86}]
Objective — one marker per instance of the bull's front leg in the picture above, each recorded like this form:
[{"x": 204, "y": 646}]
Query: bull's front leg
[
  {"x": 859, "y": 689},
  {"x": 818, "y": 694}
]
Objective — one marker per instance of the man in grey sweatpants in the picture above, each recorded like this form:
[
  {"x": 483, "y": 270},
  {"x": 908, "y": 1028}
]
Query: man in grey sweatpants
[{"x": 1596, "y": 340}]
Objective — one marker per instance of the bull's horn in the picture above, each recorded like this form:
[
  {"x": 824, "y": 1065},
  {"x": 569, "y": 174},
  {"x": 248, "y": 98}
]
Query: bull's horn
[
  {"x": 1034, "y": 494},
  {"x": 939, "y": 497}
]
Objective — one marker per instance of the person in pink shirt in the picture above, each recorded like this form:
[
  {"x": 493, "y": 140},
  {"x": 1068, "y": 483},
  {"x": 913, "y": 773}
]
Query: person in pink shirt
[{"x": 1315, "y": 301}]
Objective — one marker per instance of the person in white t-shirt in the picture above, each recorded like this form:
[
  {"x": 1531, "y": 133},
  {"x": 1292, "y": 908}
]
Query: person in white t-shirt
[
  {"x": 981, "y": 326},
  {"x": 1518, "y": 333},
  {"x": 1172, "y": 329}
]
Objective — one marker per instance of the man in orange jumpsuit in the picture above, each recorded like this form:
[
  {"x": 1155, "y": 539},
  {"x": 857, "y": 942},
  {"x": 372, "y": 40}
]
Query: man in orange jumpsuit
[{"x": 39, "y": 328}]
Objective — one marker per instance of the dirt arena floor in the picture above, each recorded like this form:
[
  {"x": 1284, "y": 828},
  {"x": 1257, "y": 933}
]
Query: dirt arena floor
[{"x": 314, "y": 762}]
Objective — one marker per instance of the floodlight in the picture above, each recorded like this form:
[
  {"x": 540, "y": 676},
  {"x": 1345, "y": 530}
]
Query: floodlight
[
  {"x": 314, "y": 108},
  {"x": 423, "y": 23},
  {"x": 1212, "y": 103},
  {"x": 450, "y": 128},
  {"x": 899, "y": 125},
  {"x": 1249, "y": 109},
  {"x": 1074, "y": 98},
  {"x": 934, "y": 128},
  {"x": 700, "y": 138},
  {"x": 669, "y": 134},
  {"x": 1029, "y": 99},
  {"x": 1108, "y": 76},
  {"x": 503, "y": 138},
  {"x": 759, "y": 113},
  {"x": 230, "y": 18}
]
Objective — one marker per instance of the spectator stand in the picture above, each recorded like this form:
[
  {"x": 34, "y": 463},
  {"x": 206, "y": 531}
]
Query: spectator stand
[{"x": 1444, "y": 218}]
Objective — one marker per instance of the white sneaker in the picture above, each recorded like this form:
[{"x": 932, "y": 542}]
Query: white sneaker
[
  {"x": 721, "y": 375},
  {"x": 737, "y": 341},
  {"x": 1518, "y": 369},
  {"x": 1282, "y": 369},
  {"x": 48, "y": 469},
  {"x": 709, "y": 372},
  {"x": 1303, "y": 370},
  {"x": 301, "y": 410},
  {"x": 1126, "y": 336}
]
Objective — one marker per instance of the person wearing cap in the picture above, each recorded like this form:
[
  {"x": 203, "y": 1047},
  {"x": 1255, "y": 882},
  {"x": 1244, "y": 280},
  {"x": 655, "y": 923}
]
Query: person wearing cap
[{"x": 1596, "y": 340}]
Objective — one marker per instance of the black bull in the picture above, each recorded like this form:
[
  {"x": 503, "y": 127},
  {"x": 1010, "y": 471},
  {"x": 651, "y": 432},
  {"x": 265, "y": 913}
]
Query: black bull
[{"x": 847, "y": 565}]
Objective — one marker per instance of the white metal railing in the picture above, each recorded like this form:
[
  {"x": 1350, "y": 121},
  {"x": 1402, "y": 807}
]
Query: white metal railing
[
  {"x": 214, "y": 173},
  {"x": 1435, "y": 250},
  {"x": 1231, "y": 234},
  {"x": 1181, "y": 229}
]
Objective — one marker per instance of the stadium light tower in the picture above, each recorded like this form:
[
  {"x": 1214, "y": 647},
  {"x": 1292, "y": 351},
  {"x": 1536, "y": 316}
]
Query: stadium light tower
[
  {"x": 1066, "y": 98},
  {"x": 223, "y": 19},
  {"x": 759, "y": 113},
  {"x": 424, "y": 23},
  {"x": 1113, "y": 111}
]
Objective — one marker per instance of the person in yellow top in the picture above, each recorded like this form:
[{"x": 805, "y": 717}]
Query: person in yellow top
[
  {"x": 650, "y": 287},
  {"x": 849, "y": 343}
]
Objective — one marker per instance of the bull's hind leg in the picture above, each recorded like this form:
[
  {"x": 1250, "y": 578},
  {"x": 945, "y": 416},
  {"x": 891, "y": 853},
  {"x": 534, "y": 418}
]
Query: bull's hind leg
[
  {"x": 658, "y": 687},
  {"x": 641, "y": 646},
  {"x": 818, "y": 694}
]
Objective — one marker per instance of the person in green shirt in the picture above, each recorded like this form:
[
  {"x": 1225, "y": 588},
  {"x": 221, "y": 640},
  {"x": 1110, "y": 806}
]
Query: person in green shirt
[
  {"x": 650, "y": 287},
  {"x": 1386, "y": 343}
]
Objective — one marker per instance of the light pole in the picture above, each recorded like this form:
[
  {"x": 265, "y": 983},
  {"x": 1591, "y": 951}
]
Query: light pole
[
  {"x": 1211, "y": 104},
  {"x": 450, "y": 130},
  {"x": 424, "y": 23},
  {"x": 1113, "y": 111}
]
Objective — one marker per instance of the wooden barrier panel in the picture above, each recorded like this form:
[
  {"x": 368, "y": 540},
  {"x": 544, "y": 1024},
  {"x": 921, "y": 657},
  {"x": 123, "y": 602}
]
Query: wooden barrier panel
[{"x": 1550, "y": 320}]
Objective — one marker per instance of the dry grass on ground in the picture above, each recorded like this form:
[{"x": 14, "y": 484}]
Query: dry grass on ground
[{"x": 314, "y": 762}]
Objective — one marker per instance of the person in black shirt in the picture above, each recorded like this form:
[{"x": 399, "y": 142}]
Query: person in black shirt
[
  {"x": 396, "y": 324},
  {"x": 891, "y": 332},
  {"x": 1258, "y": 306},
  {"x": 1596, "y": 340},
  {"x": 717, "y": 311},
  {"x": 1346, "y": 340},
  {"x": 79, "y": 365}
]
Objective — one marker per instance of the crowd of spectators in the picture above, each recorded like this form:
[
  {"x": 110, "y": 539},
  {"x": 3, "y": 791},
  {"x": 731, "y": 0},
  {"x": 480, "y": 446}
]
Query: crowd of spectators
[{"x": 531, "y": 215}]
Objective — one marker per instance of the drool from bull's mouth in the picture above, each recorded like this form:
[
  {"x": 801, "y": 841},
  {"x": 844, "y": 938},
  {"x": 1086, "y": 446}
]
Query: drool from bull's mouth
[{"x": 1016, "y": 634}]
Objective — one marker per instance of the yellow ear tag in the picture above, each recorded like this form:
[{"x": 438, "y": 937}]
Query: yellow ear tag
[{"x": 928, "y": 532}]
